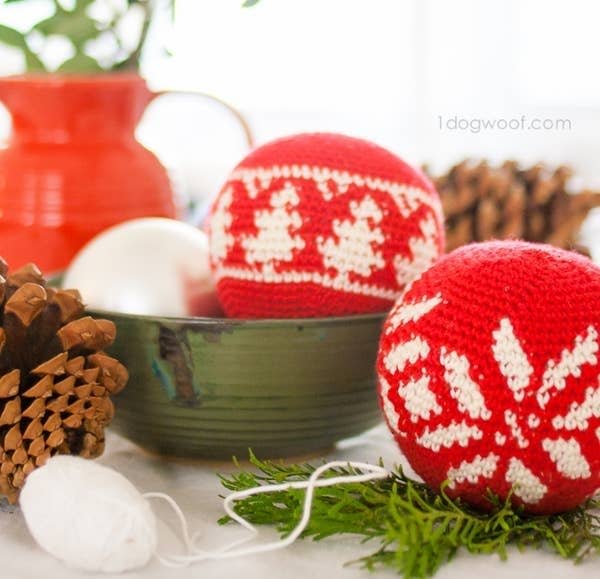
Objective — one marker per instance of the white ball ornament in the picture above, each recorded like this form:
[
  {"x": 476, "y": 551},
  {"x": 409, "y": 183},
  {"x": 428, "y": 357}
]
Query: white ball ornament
[
  {"x": 89, "y": 516},
  {"x": 149, "y": 266}
]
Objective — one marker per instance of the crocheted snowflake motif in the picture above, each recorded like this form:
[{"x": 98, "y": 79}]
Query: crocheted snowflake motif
[
  {"x": 353, "y": 251},
  {"x": 221, "y": 239},
  {"x": 491, "y": 402}
]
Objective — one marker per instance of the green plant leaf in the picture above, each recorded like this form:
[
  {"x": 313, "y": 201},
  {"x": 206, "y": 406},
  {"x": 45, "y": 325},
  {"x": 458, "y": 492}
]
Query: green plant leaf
[
  {"x": 80, "y": 64},
  {"x": 250, "y": 3},
  {"x": 126, "y": 65},
  {"x": 12, "y": 37},
  {"x": 78, "y": 27},
  {"x": 416, "y": 530},
  {"x": 33, "y": 63},
  {"x": 16, "y": 39}
]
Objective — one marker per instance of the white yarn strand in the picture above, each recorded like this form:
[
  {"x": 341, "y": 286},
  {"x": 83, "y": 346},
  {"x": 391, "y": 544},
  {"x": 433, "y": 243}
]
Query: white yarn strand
[
  {"x": 195, "y": 555},
  {"x": 185, "y": 531}
]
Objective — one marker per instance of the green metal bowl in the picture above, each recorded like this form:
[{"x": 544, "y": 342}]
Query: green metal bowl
[{"x": 212, "y": 388}]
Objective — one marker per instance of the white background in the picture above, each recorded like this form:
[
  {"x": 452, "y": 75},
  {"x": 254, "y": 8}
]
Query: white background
[{"x": 385, "y": 70}]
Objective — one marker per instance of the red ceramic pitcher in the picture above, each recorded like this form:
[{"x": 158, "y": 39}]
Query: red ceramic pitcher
[{"x": 73, "y": 167}]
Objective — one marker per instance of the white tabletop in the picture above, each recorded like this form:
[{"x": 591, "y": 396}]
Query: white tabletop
[{"x": 195, "y": 486}]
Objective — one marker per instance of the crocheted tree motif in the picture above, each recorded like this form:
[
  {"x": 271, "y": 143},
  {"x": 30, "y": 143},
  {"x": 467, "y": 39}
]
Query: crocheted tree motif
[
  {"x": 478, "y": 392},
  {"x": 321, "y": 225},
  {"x": 424, "y": 252},
  {"x": 353, "y": 251},
  {"x": 274, "y": 241}
]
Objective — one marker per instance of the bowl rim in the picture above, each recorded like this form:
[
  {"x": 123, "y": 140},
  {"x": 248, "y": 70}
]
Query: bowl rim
[
  {"x": 55, "y": 280},
  {"x": 248, "y": 322}
]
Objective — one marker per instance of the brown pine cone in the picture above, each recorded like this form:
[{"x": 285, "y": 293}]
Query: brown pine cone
[
  {"x": 55, "y": 380},
  {"x": 508, "y": 201}
]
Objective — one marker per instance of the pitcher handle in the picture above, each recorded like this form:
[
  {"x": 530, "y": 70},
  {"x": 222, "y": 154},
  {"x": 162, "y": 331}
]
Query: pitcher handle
[{"x": 241, "y": 119}]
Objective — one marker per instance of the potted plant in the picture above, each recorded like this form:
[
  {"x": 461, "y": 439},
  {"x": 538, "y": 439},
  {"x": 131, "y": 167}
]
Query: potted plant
[{"x": 73, "y": 166}]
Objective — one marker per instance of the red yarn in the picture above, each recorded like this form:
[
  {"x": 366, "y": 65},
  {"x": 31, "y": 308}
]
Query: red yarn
[
  {"x": 489, "y": 376},
  {"x": 320, "y": 225}
]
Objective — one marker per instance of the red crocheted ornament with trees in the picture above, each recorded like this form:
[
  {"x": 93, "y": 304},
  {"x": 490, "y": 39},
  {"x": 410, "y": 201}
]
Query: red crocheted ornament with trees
[
  {"x": 489, "y": 376},
  {"x": 321, "y": 225}
]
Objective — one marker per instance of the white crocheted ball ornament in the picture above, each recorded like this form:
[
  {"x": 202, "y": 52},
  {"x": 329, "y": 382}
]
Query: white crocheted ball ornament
[
  {"x": 489, "y": 376},
  {"x": 320, "y": 225}
]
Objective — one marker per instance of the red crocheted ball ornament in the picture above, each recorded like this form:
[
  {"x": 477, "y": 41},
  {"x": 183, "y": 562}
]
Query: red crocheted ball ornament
[
  {"x": 489, "y": 377},
  {"x": 321, "y": 225}
]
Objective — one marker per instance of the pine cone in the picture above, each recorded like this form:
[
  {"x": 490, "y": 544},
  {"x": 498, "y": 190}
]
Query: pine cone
[
  {"x": 482, "y": 202},
  {"x": 55, "y": 380}
]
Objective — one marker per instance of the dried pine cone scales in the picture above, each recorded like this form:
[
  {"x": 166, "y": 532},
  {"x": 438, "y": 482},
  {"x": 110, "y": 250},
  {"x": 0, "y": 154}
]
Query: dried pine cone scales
[
  {"x": 483, "y": 202},
  {"x": 55, "y": 379}
]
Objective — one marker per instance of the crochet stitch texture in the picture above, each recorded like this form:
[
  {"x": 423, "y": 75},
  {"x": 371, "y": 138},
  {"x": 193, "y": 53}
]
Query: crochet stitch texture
[
  {"x": 489, "y": 377},
  {"x": 319, "y": 225}
]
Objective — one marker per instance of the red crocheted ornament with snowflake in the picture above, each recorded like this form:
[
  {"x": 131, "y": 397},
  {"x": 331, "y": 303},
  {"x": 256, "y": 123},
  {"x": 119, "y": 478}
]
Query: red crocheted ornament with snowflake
[
  {"x": 489, "y": 376},
  {"x": 320, "y": 225}
]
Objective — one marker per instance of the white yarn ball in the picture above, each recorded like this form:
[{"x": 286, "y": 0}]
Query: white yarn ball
[
  {"x": 150, "y": 266},
  {"x": 88, "y": 515}
]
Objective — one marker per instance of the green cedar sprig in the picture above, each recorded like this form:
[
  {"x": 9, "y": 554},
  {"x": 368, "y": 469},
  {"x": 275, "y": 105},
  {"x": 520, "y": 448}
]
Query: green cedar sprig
[{"x": 416, "y": 529}]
